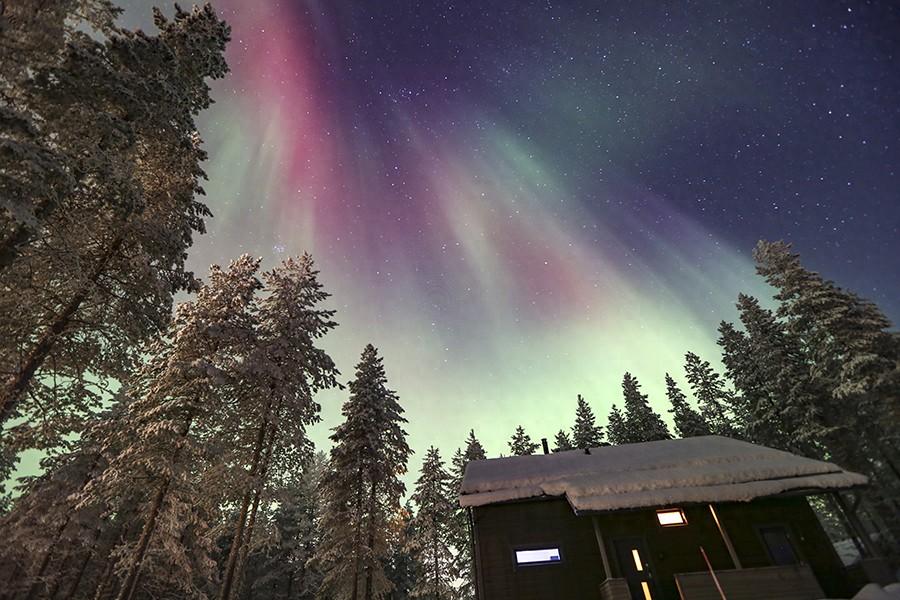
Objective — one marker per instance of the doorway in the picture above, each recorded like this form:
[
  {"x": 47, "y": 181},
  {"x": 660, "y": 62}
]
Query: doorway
[{"x": 635, "y": 568}]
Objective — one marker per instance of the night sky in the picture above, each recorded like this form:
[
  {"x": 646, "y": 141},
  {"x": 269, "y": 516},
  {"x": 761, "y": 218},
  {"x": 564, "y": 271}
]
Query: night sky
[{"x": 517, "y": 201}]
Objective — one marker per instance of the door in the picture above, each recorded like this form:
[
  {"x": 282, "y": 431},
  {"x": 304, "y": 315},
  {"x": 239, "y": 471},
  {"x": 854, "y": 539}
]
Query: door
[{"x": 635, "y": 568}]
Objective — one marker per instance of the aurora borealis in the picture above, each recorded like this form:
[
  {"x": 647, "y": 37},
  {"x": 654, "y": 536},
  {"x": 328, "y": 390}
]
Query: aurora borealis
[{"x": 519, "y": 201}]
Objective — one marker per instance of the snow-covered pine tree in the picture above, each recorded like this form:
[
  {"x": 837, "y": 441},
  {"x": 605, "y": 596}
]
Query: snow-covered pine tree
[
  {"x": 116, "y": 112},
  {"x": 854, "y": 355},
  {"x": 280, "y": 567},
  {"x": 688, "y": 422},
  {"x": 713, "y": 397},
  {"x": 465, "y": 561},
  {"x": 361, "y": 488},
  {"x": 520, "y": 444},
  {"x": 432, "y": 531},
  {"x": 642, "y": 423},
  {"x": 401, "y": 567},
  {"x": 279, "y": 378},
  {"x": 616, "y": 431},
  {"x": 43, "y": 536},
  {"x": 157, "y": 448},
  {"x": 37, "y": 175},
  {"x": 562, "y": 441},
  {"x": 768, "y": 366},
  {"x": 853, "y": 360},
  {"x": 586, "y": 433}
]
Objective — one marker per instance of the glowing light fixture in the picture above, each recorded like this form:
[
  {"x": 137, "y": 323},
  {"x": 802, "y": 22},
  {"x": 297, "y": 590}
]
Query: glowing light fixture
[{"x": 671, "y": 517}]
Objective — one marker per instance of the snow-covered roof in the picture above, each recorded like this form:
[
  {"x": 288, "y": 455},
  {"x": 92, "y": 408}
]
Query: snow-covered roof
[{"x": 699, "y": 469}]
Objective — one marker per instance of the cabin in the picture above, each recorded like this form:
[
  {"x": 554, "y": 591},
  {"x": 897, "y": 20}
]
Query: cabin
[{"x": 701, "y": 518}]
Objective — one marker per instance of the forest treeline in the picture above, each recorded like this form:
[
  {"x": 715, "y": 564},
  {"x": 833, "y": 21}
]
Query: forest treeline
[{"x": 176, "y": 461}]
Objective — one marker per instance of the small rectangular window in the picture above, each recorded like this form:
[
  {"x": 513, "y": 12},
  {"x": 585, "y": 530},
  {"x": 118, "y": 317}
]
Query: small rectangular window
[
  {"x": 671, "y": 517},
  {"x": 538, "y": 556}
]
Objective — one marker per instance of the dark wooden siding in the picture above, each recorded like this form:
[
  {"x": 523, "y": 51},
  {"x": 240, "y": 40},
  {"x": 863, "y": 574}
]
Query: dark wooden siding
[
  {"x": 502, "y": 528},
  {"x": 742, "y": 522}
]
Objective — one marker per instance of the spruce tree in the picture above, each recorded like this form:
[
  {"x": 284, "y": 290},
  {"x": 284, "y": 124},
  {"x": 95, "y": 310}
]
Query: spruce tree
[
  {"x": 520, "y": 444},
  {"x": 401, "y": 566},
  {"x": 280, "y": 376},
  {"x": 110, "y": 171},
  {"x": 616, "y": 429},
  {"x": 782, "y": 404},
  {"x": 688, "y": 422},
  {"x": 432, "y": 531},
  {"x": 855, "y": 356},
  {"x": 852, "y": 361},
  {"x": 280, "y": 567},
  {"x": 642, "y": 423},
  {"x": 562, "y": 442},
  {"x": 161, "y": 442},
  {"x": 586, "y": 433},
  {"x": 361, "y": 488},
  {"x": 713, "y": 398}
]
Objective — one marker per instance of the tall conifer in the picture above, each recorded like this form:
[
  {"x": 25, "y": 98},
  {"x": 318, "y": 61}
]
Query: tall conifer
[
  {"x": 362, "y": 487},
  {"x": 616, "y": 431},
  {"x": 520, "y": 444},
  {"x": 562, "y": 441},
  {"x": 642, "y": 423},
  {"x": 688, "y": 422},
  {"x": 712, "y": 395},
  {"x": 432, "y": 531},
  {"x": 586, "y": 433}
]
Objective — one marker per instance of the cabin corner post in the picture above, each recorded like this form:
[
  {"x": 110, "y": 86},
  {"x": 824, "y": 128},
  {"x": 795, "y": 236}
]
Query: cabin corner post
[
  {"x": 476, "y": 554},
  {"x": 728, "y": 545},
  {"x": 603, "y": 556}
]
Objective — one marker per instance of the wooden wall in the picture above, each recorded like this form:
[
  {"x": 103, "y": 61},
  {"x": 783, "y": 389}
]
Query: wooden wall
[
  {"x": 502, "y": 528},
  {"x": 795, "y": 582}
]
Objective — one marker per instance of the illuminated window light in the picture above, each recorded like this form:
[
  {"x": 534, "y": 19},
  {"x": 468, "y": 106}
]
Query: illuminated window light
[
  {"x": 638, "y": 563},
  {"x": 538, "y": 557},
  {"x": 646, "y": 588},
  {"x": 671, "y": 517}
]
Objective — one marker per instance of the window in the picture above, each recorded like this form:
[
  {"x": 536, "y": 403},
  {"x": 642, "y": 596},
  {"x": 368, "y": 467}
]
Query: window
[
  {"x": 671, "y": 517},
  {"x": 778, "y": 543},
  {"x": 538, "y": 556}
]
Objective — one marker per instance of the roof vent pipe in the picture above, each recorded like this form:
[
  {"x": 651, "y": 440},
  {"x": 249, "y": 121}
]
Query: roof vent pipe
[{"x": 544, "y": 444}]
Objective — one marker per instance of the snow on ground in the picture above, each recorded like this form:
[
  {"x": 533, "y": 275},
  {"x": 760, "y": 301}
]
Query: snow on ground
[{"x": 700, "y": 469}]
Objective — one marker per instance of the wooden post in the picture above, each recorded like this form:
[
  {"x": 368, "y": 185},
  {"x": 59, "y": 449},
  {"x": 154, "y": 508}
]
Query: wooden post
[
  {"x": 712, "y": 572},
  {"x": 602, "y": 546},
  {"x": 725, "y": 538}
]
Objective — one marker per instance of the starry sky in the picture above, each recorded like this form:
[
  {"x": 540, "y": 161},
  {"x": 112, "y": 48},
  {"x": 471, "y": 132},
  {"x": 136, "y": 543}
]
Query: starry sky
[{"x": 519, "y": 201}]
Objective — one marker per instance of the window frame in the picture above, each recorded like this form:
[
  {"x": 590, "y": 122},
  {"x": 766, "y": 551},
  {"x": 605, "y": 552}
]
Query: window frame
[
  {"x": 792, "y": 540},
  {"x": 531, "y": 547},
  {"x": 684, "y": 519}
]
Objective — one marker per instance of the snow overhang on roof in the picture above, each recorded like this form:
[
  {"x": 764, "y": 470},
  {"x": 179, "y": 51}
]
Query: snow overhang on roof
[{"x": 651, "y": 474}]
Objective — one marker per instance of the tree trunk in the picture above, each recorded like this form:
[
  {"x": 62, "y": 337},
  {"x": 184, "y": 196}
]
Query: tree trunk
[
  {"x": 130, "y": 580},
  {"x": 84, "y": 564},
  {"x": 357, "y": 535},
  {"x": 263, "y": 471},
  {"x": 18, "y": 382},
  {"x": 371, "y": 541},
  {"x": 48, "y": 553},
  {"x": 105, "y": 579},
  {"x": 290, "y": 586},
  {"x": 231, "y": 564}
]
